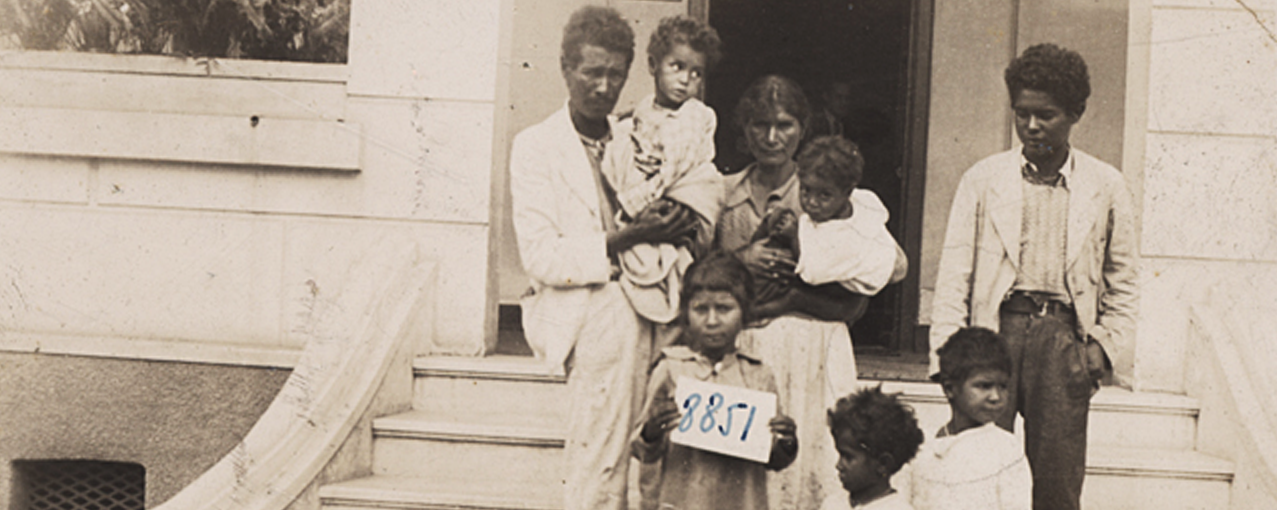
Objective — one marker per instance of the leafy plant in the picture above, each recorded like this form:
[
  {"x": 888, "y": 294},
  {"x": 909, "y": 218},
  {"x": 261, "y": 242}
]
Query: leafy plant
[{"x": 295, "y": 30}]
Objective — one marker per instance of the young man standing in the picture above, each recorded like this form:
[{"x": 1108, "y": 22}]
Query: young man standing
[
  {"x": 564, "y": 219},
  {"x": 1040, "y": 246}
]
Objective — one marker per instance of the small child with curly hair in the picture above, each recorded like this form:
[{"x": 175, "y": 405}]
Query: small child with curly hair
[
  {"x": 664, "y": 159},
  {"x": 972, "y": 463},
  {"x": 841, "y": 236},
  {"x": 875, "y": 435}
]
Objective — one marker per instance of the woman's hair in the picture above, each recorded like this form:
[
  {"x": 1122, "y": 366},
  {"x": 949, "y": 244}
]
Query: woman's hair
[
  {"x": 771, "y": 93},
  {"x": 1059, "y": 72},
  {"x": 880, "y": 423},
  {"x": 719, "y": 271},
  {"x": 596, "y": 26},
  {"x": 971, "y": 350},
  {"x": 676, "y": 30},
  {"x": 833, "y": 158}
]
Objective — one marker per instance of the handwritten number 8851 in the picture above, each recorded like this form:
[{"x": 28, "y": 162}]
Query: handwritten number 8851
[{"x": 708, "y": 420}]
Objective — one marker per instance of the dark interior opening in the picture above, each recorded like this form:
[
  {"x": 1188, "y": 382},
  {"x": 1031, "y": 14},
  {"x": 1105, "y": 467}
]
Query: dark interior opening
[{"x": 852, "y": 59}]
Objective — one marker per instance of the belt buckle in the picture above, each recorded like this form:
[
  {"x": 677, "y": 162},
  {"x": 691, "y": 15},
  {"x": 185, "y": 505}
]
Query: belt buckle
[{"x": 1044, "y": 309}]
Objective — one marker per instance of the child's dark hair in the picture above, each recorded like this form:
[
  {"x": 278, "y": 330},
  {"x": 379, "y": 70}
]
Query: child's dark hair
[
  {"x": 676, "y": 30},
  {"x": 596, "y": 26},
  {"x": 719, "y": 271},
  {"x": 771, "y": 93},
  {"x": 1059, "y": 72},
  {"x": 970, "y": 350},
  {"x": 881, "y": 423},
  {"x": 834, "y": 159}
]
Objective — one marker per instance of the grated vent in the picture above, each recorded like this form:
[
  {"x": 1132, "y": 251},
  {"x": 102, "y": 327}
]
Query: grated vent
[{"x": 78, "y": 485}]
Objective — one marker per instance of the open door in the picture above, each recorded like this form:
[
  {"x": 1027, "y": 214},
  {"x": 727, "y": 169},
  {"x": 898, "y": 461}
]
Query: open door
[{"x": 862, "y": 64}]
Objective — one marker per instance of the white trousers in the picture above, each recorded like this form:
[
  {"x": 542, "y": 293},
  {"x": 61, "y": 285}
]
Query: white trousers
[{"x": 606, "y": 380}]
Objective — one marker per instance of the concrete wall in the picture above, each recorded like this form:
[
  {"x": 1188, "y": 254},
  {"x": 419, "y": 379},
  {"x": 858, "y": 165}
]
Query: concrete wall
[
  {"x": 1209, "y": 218},
  {"x": 145, "y": 257},
  {"x": 175, "y": 419}
]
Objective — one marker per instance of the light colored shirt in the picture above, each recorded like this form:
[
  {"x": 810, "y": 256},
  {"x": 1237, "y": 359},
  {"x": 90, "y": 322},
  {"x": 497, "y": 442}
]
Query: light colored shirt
[
  {"x": 742, "y": 214},
  {"x": 841, "y": 501},
  {"x": 983, "y": 468},
  {"x": 1044, "y": 231},
  {"x": 857, "y": 252},
  {"x": 668, "y": 144}
]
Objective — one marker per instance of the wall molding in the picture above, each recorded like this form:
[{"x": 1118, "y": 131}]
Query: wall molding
[{"x": 151, "y": 349}]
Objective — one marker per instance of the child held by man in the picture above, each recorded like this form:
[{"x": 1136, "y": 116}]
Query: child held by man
[
  {"x": 875, "y": 435},
  {"x": 717, "y": 293},
  {"x": 972, "y": 463},
  {"x": 841, "y": 235},
  {"x": 663, "y": 159}
]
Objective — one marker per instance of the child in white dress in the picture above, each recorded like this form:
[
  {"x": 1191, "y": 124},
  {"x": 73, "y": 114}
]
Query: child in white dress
[
  {"x": 972, "y": 463},
  {"x": 663, "y": 158}
]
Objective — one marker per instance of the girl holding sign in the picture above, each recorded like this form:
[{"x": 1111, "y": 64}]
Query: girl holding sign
[{"x": 717, "y": 293}]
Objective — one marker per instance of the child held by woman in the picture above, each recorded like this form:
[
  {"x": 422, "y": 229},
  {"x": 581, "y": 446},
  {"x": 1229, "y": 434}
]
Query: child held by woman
[
  {"x": 717, "y": 293},
  {"x": 841, "y": 235},
  {"x": 875, "y": 435},
  {"x": 663, "y": 159},
  {"x": 972, "y": 463}
]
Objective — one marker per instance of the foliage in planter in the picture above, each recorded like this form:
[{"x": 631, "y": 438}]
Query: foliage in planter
[{"x": 295, "y": 30}]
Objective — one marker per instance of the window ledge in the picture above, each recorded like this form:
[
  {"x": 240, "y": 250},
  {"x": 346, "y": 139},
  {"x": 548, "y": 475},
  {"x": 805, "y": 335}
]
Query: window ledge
[
  {"x": 174, "y": 66},
  {"x": 215, "y": 139}
]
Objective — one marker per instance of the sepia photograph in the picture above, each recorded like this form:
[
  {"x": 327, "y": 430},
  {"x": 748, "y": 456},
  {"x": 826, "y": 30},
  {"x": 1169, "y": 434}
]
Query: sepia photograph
[{"x": 638, "y": 254}]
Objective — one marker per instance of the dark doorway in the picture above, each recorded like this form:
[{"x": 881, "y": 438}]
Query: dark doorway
[{"x": 853, "y": 60}]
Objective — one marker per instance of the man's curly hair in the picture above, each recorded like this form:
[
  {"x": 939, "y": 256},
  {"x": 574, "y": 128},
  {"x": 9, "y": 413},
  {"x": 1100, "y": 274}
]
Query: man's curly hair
[
  {"x": 880, "y": 422},
  {"x": 1059, "y": 72},
  {"x": 596, "y": 26},
  {"x": 676, "y": 30}
]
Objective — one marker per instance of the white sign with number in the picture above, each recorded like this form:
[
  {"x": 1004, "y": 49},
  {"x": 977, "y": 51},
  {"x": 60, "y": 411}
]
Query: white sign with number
[{"x": 724, "y": 419}]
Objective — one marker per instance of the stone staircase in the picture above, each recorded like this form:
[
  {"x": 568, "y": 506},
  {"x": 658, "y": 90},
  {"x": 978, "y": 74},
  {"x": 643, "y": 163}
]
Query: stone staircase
[{"x": 487, "y": 433}]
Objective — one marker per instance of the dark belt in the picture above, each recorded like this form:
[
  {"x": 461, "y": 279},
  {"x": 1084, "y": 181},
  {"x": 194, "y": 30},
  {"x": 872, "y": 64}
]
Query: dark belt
[{"x": 1032, "y": 303}]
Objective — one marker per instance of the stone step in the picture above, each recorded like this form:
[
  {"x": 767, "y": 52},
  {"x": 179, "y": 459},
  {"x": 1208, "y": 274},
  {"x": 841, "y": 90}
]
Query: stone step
[
  {"x": 1118, "y": 417},
  {"x": 1144, "y": 478},
  {"x": 438, "y": 493},
  {"x": 417, "y": 444},
  {"x": 1117, "y": 479},
  {"x": 484, "y": 390},
  {"x": 489, "y": 387}
]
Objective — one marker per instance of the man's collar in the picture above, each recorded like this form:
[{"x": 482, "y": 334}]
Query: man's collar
[
  {"x": 1030, "y": 171},
  {"x": 611, "y": 126}
]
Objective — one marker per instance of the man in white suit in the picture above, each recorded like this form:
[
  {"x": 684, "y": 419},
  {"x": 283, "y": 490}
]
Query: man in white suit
[
  {"x": 564, "y": 218},
  {"x": 1040, "y": 246}
]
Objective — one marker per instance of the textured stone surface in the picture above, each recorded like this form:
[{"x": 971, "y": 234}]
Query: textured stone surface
[
  {"x": 458, "y": 39},
  {"x": 1211, "y": 71},
  {"x": 211, "y": 278},
  {"x": 1210, "y": 197},
  {"x": 176, "y": 419}
]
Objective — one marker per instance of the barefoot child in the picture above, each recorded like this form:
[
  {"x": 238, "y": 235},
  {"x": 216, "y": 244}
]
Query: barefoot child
[
  {"x": 717, "y": 293},
  {"x": 663, "y": 160},
  {"x": 972, "y": 463},
  {"x": 875, "y": 435},
  {"x": 841, "y": 236}
]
